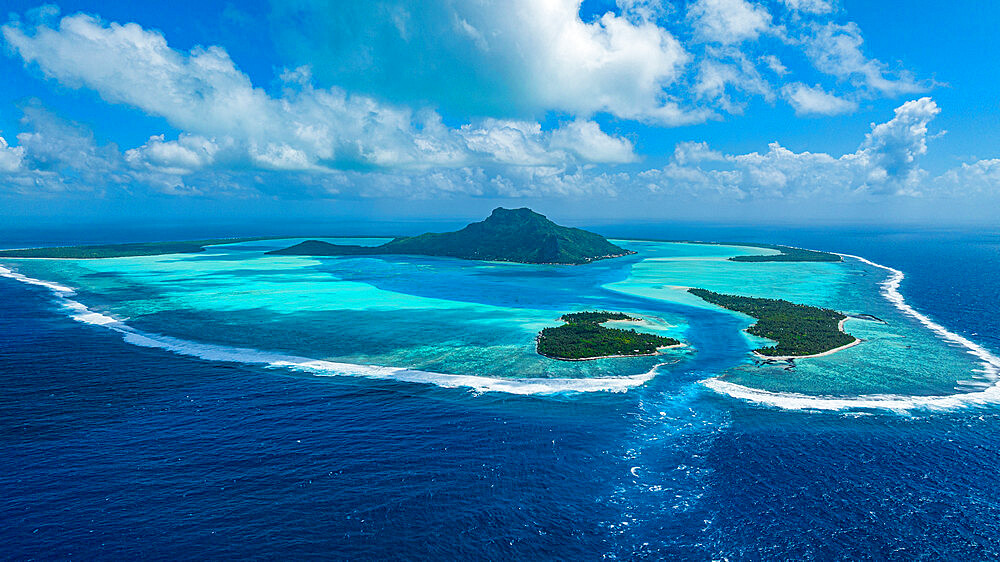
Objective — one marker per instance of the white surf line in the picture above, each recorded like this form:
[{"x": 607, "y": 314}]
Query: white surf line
[
  {"x": 891, "y": 402},
  {"x": 210, "y": 352},
  {"x": 894, "y": 402},
  {"x": 890, "y": 289},
  {"x": 59, "y": 290}
]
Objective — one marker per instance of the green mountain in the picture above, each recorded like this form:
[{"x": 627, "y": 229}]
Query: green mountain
[{"x": 516, "y": 235}]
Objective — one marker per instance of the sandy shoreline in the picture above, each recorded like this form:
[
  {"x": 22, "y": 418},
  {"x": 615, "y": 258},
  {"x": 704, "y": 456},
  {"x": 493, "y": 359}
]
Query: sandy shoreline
[
  {"x": 840, "y": 326},
  {"x": 649, "y": 322},
  {"x": 657, "y": 352}
]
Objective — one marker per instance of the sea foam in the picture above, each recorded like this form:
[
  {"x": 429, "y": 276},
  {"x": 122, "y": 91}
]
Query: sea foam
[
  {"x": 894, "y": 402},
  {"x": 990, "y": 394},
  {"x": 212, "y": 352}
]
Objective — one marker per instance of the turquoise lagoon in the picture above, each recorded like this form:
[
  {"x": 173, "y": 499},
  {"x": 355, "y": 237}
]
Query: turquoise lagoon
[{"x": 479, "y": 319}]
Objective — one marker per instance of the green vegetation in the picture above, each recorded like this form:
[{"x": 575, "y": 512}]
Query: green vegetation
[
  {"x": 514, "y": 235},
  {"x": 787, "y": 254},
  {"x": 124, "y": 250},
  {"x": 583, "y": 337},
  {"x": 798, "y": 329},
  {"x": 595, "y": 317}
]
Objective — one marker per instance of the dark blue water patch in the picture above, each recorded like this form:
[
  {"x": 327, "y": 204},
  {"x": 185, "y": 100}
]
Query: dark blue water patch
[
  {"x": 821, "y": 486},
  {"x": 118, "y": 451},
  {"x": 115, "y": 451}
]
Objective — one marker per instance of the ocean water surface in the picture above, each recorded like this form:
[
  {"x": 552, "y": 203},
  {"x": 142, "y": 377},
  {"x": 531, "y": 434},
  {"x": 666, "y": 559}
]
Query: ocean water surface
[{"x": 232, "y": 403}]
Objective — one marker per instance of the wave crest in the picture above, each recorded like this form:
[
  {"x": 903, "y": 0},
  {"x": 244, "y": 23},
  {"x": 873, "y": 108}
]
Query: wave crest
[
  {"x": 212, "y": 352},
  {"x": 892, "y": 402}
]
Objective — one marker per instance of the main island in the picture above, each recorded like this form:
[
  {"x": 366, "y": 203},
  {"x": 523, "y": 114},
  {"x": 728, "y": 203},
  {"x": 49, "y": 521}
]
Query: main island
[
  {"x": 524, "y": 236},
  {"x": 512, "y": 235}
]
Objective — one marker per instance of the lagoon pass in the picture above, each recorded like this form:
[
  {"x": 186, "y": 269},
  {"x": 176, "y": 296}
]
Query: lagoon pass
[{"x": 472, "y": 325}]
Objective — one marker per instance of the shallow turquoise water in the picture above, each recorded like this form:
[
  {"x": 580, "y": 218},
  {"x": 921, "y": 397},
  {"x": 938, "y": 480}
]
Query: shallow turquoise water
[
  {"x": 117, "y": 451},
  {"x": 480, "y": 318}
]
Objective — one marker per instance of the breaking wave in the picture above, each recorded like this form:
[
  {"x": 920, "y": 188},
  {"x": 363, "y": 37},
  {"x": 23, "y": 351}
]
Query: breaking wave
[
  {"x": 894, "y": 402},
  {"x": 211, "y": 352}
]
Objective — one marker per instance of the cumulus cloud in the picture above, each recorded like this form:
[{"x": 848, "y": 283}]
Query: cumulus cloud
[
  {"x": 58, "y": 156},
  {"x": 11, "y": 157},
  {"x": 813, "y": 100},
  {"x": 186, "y": 154},
  {"x": 775, "y": 65},
  {"x": 690, "y": 152},
  {"x": 204, "y": 94},
  {"x": 609, "y": 65},
  {"x": 507, "y": 59},
  {"x": 653, "y": 61},
  {"x": 886, "y": 162},
  {"x": 891, "y": 149},
  {"x": 55, "y": 156},
  {"x": 519, "y": 59},
  {"x": 644, "y": 10},
  {"x": 590, "y": 143},
  {"x": 238, "y": 138},
  {"x": 978, "y": 178},
  {"x": 725, "y": 73}
]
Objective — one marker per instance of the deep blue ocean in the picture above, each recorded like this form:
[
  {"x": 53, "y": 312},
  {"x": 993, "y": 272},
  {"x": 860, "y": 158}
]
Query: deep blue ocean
[{"x": 117, "y": 452}]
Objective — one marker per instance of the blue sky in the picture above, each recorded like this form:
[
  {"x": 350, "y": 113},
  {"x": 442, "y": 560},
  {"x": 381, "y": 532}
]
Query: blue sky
[{"x": 711, "y": 110}]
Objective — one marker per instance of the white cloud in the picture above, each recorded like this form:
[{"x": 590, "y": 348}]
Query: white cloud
[
  {"x": 55, "y": 157},
  {"x": 644, "y": 10},
  {"x": 239, "y": 138},
  {"x": 11, "y": 157},
  {"x": 810, "y": 6},
  {"x": 690, "y": 152},
  {"x": 648, "y": 61},
  {"x": 813, "y": 100},
  {"x": 728, "y": 21},
  {"x": 187, "y": 153},
  {"x": 539, "y": 54},
  {"x": 127, "y": 64},
  {"x": 775, "y": 64},
  {"x": 610, "y": 65},
  {"x": 886, "y": 163},
  {"x": 890, "y": 151},
  {"x": 204, "y": 94},
  {"x": 591, "y": 144},
  {"x": 836, "y": 50},
  {"x": 507, "y": 142},
  {"x": 725, "y": 73},
  {"x": 511, "y": 59},
  {"x": 981, "y": 177}
]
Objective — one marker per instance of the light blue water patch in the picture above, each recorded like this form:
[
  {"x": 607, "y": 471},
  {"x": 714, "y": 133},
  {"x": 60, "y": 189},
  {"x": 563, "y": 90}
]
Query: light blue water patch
[
  {"x": 306, "y": 306},
  {"x": 897, "y": 354},
  {"x": 654, "y": 249},
  {"x": 481, "y": 318},
  {"x": 667, "y": 273}
]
